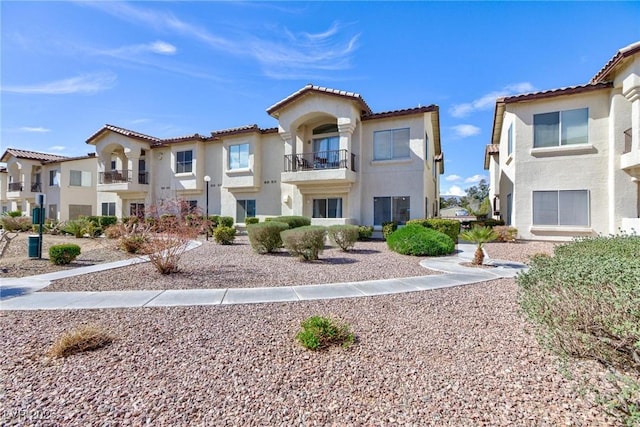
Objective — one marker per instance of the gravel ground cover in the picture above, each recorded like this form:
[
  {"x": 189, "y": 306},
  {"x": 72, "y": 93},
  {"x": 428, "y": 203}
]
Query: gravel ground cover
[
  {"x": 225, "y": 266},
  {"x": 450, "y": 357}
]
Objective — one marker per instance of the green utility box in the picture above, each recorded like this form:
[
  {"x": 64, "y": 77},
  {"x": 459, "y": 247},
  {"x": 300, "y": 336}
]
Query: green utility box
[
  {"x": 37, "y": 215},
  {"x": 34, "y": 246}
]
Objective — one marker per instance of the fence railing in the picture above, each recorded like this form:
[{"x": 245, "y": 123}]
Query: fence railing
[
  {"x": 332, "y": 159},
  {"x": 122, "y": 176}
]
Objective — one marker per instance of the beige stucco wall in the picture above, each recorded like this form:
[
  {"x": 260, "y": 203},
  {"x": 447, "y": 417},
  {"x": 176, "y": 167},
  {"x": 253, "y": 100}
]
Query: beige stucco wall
[{"x": 76, "y": 195}]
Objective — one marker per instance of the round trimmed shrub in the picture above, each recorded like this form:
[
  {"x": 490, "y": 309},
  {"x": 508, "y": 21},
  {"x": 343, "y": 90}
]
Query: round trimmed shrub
[
  {"x": 304, "y": 242},
  {"x": 63, "y": 254},
  {"x": 224, "y": 235},
  {"x": 293, "y": 221},
  {"x": 226, "y": 221},
  {"x": 420, "y": 241},
  {"x": 251, "y": 220},
  {"x": 265, "y": 236},
  {"x": 344, "y": 236},
  {"x": 365, "y": 232}
]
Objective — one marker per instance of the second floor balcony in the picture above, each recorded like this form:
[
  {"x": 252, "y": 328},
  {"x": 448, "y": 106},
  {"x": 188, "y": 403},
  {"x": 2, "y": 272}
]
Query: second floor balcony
[
  {"x": 15, "y": 186},
  {"x": 321, "y": 166},
  {"x": 123, "y": 180},
  {"x": 630, "y": 159}
]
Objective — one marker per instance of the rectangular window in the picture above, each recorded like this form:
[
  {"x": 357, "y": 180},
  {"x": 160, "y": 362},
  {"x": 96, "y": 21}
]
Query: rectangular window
[
  {"x": 565, "y": 207},
  {"x": 239, "y": 156},
  {"x": 109, "y": 209},
  {"x": 510, "y": 140},
  {"x": 245, "y": 209},
  {"x": 561, "y": 128},
  {"x": 76, "y": 211},
  {"x": 327, "y": 208},
  {"x": 136, "y": 209},
  {"x": 184, "y": 161},
  {"x": 113, "y": 165},
  {"x": 391, "y": 209},
  {"x": 53, "y": 212},
  {"x": 80, "y": 178},
  {"x": 54, "y": 179},
  {"x": 391, "y": 144}
]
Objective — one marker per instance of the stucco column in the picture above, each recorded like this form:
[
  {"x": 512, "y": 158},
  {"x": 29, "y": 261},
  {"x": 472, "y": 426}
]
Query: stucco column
[
  {"x": 132, "y": 163},
  {"x": 345, "y": 128},
  {"x": 631, "y": 91}
]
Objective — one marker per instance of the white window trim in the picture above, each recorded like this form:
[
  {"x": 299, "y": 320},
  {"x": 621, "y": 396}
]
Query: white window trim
[
  {"x": 248, "y": 168},
  {"x": 563, "y": 150}
]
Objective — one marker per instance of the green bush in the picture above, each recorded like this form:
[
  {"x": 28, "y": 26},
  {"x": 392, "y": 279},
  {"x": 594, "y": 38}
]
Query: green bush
[
  {"x": 365, "y": 232},
  {"x": 305, "y": 242},
  {"x": 585, "y": 302},
  {"x": 224, "y": 235},
  {"x": 388, "y": 227},
  {"x": 505, "y": 233},
  {"x": 292, "y": 221},
  {"x": 214, "y": 220},
  {"x": 265, "y": 236},
  {"x": 133, "y": 243},
  {"x": 344, "y": 236},
  {"x": 420, "y": 241},
  {"x": 63, "y": 254},
  {"x": 16, "y": 223},
  {"x": 14, "y": 214},
  {"x": 320, "y": 332},
  {"x": 450, "y": 227},
  {"x": 489, "y": 222},
  {"x": 226, "y": 221},
  {"x": 251, "y": 220},
  {"x": 108, "y": 220},
  {"x": 77, "y": 227}
]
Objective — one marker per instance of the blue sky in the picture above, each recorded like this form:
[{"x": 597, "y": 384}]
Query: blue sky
[{"x": 175, "y": 68}]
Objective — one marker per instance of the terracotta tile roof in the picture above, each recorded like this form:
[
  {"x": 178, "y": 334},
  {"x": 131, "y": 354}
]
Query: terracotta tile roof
[
  {"x": 235, "y": 130},
  {"x": 122, "y": 131},
  {"x": 318, "y": 89},
  {"x": 398, "y": 113},
  {"x": 620, "y": 56},
  {"x": 31, "y": 155},
  {"x": 68, "y": 159},
  {"x": 555, "y": 92},
  {"x": 490, "y": 150},
  {"x": 166, "y": 141}
]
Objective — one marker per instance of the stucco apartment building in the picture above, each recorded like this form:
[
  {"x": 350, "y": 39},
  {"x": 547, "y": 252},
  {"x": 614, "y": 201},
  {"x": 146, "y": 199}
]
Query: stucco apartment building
[
  {"x": 566, "y": 162},
  {"x": 68, "y": 183},
  {"x": 330, "y": 158}
]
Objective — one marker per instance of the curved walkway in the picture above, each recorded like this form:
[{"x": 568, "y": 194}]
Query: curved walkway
[{"x": 20, "y": 293}]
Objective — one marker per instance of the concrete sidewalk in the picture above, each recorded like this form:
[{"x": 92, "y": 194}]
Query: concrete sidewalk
[{"x": 21, "y": 294}]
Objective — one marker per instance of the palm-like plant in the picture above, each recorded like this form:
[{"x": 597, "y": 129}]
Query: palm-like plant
[{"x": 479, "y": 236}]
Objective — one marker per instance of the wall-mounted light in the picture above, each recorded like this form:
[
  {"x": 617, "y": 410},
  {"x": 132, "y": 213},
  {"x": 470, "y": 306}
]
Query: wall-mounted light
[{"x": 285, "y": 198}]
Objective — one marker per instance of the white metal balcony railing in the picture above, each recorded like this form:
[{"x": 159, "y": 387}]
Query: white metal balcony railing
[
  {"x": 122, "y": 176},
  {"x": 320, "y": 160},
  {"x": 627, "y": 141},
  {"x": 15, "y": 186}
]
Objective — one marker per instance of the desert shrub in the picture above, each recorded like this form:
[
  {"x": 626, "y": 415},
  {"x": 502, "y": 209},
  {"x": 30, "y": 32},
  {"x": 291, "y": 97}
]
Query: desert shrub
[
  {"x": 14, "y": 214},
  {"x": 365, "y": 232},
  {"x": 225, "y": 221},
  {"x": 77, "y": 227},
  {"x": 133, "y": 243},
  {"x": 450, "y": 227},
  {"x": 224, "y": 235},
  {"x": 107, "y": 220},
  {"x": 63, "y": 254},
  {"x": 265, "y": 236},
  {"x": 16, "y": 223},
  {"x": 251, "y": 220},
  {"x": 293, "y": 221},
  {"x": 585, "y": 303},
  {"x": 84, "y": 338},
  {"x": 214, "y": 220},
  {"x": 319, "y": 332},
  {"x": 114, "y": 231},
  {"x": 479, "y": 236},
  {"x": 304, "y": 242},
  {"x": 505, "y": 233},
  {"x": 53, "y": 226},
  {"x": 344, "y": 236},
  {"x": 388, "y": 227},
  {"x": 488, "y": 222},
  {"x": 420, "y": 241}
]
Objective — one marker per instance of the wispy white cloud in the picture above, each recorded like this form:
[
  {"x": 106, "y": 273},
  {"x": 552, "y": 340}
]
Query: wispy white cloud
[
  {"x": 465, "y": 130},
  {"x": 488, "y": 100},
  {"x": 83, "y": 84},
  {"x": 159, "y": 47},
  {"x": 279, "y": 52},
  {"x": 455, "y": 190},
  {"x": 38, "y": 129},
  {"x": 474, "y": 179},
  {"x": 57, "y": 148},
  {"x": 452, "y": 178}
]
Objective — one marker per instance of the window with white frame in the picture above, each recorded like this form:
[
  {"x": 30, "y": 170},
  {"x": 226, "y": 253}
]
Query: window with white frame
[
  {"x": 396, "y": 208},
  {"x": 391, "y": 144},
  {"x": 184, "y": 161},
  {"x": 327, "y": 208},
  {"x": 510, "y": 140},
  {"x": 245, "y": 209},
  {"x": 109, "y": 209},
  {"x": 54, "y": 178},
  {"x": 564, "y": 207},
  {"x": 79, "y": 178},
  {"x": 239, "y": 156},
  {"x": 560, "y": 128}
]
